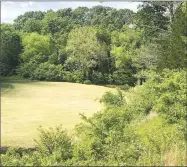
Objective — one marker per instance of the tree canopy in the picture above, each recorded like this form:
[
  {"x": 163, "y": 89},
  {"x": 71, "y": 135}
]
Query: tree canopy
[{"x": 98, "y": 44}]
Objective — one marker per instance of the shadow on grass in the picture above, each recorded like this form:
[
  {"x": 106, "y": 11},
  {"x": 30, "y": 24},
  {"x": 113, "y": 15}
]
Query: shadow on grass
[
  {"x": 109, "y": 86},
  {"x": 122, "y": 87},
  {"x": 6, "y": 86},
  {"x": 7, "y": 83},
  {"x": 15, "y": 79},
  {"x": 4, "y": 81}
]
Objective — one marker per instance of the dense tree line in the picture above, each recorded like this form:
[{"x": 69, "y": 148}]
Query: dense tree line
[{"x": 98, "y": 45}]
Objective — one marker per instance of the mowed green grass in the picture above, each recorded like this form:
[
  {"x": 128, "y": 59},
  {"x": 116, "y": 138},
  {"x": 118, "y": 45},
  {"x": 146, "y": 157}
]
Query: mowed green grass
[{"x": 27, "y": 105}]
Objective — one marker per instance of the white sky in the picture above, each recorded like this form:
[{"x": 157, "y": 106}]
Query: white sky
[{"x": 10, "y": 10}]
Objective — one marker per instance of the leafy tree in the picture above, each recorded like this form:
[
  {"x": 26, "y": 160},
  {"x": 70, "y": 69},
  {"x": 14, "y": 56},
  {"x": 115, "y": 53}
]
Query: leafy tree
[
  {"x": 11, "y": 49},
  {"x": 20, "y": 20},
  {"x": 32, "y": 25},
  {"x": 152, "y": 19},
  {"x": 64, "y": 12},
  {"x": 109, "y": 18},
  {"x": 58, "y": 42},
  {"x": 36, "y": 47},
  {"x": 79, "y": 16},
  {"x": 171, "y": 53},
  {"x": 125, "y": 46},
  {"x": 51, "y": 23},
  {"x": 85, "y": 50}
]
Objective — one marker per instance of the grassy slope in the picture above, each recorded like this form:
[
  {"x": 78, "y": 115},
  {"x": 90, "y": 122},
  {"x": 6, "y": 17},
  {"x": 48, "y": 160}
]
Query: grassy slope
[{"x": 27, "y": 105}]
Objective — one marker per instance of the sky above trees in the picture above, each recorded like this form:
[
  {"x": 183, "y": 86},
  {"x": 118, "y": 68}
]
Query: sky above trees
[{"x": 10, "y": 10}]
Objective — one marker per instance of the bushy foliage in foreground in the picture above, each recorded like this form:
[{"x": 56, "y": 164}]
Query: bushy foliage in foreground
[{"x": 123, "y": 134}]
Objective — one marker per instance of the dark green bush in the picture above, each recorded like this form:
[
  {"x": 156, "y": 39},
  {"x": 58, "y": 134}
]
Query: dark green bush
[
  {"x": 74, "y": 76},
  {"x": 124, "y": 87},
  {"x": 98, "y": 78},
  {"x": 27, "y": 69},
  {"x": 68, "y": 76},
  {"x": 49, "y": 72},
  {"x": 124, "y": 76},
  {"x": 87, "y": 82},
  {"x": 78, "y": 76}
]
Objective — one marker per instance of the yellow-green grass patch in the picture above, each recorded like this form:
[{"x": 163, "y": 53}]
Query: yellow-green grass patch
[{"x": 27, "y": 105}]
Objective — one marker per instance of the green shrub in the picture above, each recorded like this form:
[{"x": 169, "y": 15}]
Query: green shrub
[
  {"x": 48, "y": 72},
  {"x": 110, "y": 79},
  {"x": 98, "y": 78},
  {"x": 124, "y": 87},
  {"x": 124, "y": 76},
  {"x": 171, "y": 99},
  {"x": 68, "y": 76},
  {"x": 26, "y": 70},
  {"x": 87, "y": 82},
  {"x": 159, "y": 138},
  {"x": 55, "y": 141},
  {"x": 108, "y": 138},
  {"x": 11, "y": 158},
  {"x": 78, "y": 76},
  {"x": 74, "y": 76},
  {"x": 5, "y": 70},
  {"x": 110, "y": 98}
]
